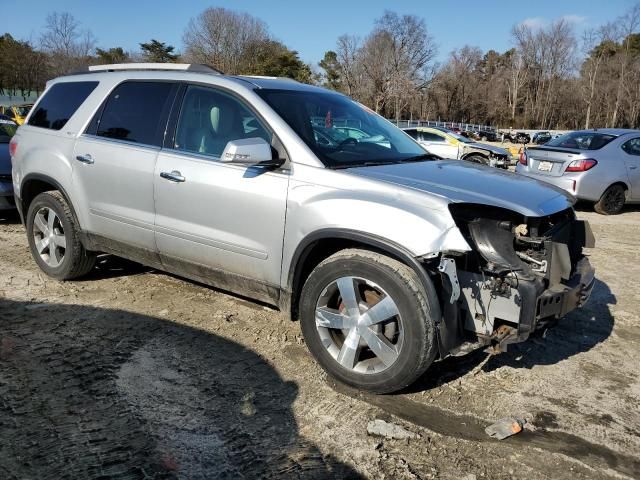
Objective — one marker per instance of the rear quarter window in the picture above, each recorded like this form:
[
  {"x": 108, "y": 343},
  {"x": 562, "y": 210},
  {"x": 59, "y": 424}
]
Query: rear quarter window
[{"x": 60, "y": 103}]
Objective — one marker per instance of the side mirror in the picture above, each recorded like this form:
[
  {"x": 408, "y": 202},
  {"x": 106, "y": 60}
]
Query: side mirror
[{"x": 249, "y": 151}]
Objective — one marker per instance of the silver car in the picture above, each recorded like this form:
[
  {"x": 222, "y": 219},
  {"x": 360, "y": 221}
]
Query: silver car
[
  {"x": 388, "y": 258},
  {"x": 448, "y": 144},
  {"x": 600, "y": 166}
]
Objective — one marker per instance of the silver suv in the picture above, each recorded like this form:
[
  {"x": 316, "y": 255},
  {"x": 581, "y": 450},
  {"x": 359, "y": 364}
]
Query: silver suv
[{"x": 302, "y": 198}]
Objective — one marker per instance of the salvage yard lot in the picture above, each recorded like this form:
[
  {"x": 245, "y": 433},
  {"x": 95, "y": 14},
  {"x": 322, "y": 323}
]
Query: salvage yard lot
[{"x": 138, "y": 373}]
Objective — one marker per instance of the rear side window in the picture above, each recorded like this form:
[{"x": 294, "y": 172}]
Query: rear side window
[
  {"x": 412, "y": 133},
  {"x": 59, "y": 103},
  {"x": 136, "y": 112},
  {"x": 632, "y": 147},
  {"x": 581, "y": 140},
  {"x": 431, "y": 137}
]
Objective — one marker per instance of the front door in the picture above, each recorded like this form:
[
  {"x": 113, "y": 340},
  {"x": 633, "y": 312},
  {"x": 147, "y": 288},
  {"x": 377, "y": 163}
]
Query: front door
[
  {"x": 438, "y": 145},
  {"x": 221, "y": 221}
]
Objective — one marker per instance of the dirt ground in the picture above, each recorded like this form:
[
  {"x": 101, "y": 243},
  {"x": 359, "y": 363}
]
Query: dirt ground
[{"x": 132, "y": 373}]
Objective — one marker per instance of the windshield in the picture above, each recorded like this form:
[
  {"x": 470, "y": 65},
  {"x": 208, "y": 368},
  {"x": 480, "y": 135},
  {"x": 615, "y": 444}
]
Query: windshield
[
  {"x": 7, "y": 130},
  {"x": 581, "y": 140},
  {"x": 341, "y": 132}
]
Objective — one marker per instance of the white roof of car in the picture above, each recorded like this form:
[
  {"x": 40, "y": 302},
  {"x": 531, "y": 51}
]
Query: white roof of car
[{"x": 186, "y": 71}]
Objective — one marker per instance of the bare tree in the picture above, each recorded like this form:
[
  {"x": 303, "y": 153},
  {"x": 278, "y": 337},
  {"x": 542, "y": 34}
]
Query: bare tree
[
  {"x": 68, "y": 46},
  {"x": 347, "y": 51},
  {"x": 627, "y": 25},
  {"x": 597, "y": 46},
  {"x": 224, "y": 39}
]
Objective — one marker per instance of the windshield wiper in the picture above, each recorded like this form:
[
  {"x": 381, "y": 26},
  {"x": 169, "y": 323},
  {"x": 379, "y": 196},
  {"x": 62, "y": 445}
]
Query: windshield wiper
[
  {"x": 421, "y": 158},
  {"x": 375, "y": 163}
]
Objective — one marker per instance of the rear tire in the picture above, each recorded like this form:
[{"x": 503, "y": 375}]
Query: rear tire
[
  {"x": 402, "y": 329},
  {"x": 54, "y": 238},
  {"x": 612, "y": 200}
]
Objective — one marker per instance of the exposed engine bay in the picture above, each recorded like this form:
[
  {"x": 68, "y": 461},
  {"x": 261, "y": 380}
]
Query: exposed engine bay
[{"x": 522, "y": 273}]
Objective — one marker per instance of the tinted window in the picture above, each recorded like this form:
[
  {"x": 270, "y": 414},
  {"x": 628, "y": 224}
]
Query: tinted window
[
  {"x": 209, "y": 119},
  {"x": 59, "y": 103},
  {"x": 137, "y": 112},
  {"x": 412, "y": 133},
  {"x": 431, "y": 137},
  {"x": 632, "y": 147},
  {"x": 581, "y": 140}
]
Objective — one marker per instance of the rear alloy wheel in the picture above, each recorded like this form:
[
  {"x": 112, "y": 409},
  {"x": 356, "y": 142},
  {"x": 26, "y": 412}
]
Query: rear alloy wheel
[
  {"x": 612, "y": 200},
  {"x": 49, "y": 237},
  {"x": 368, "y": 321},
  {"x": 54, "y": 238}
]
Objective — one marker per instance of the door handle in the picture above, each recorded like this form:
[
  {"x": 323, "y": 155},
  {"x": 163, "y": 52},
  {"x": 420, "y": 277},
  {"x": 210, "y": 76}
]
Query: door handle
[
  {"x": 173, "y": 176},
  {"x": 633, "y": 167},
  {"x": 86, "y": 158}
]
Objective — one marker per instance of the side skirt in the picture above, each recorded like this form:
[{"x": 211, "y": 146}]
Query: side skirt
[{"x": 221, "y": 279}]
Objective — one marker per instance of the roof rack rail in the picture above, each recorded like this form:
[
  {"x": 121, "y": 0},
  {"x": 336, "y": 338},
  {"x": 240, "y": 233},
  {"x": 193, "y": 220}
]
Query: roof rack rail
[{"x": 182, "y": 67}]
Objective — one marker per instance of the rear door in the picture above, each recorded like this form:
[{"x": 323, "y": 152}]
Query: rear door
[
  {"x": 228, "y": 218},
  {"x": 438, "y": 145},
  {"x": 114, "y": 161},
  {"x": 631, "y": 154}
]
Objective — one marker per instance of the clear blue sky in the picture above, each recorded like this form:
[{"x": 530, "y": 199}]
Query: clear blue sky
[{"x": 310, "y": 27}]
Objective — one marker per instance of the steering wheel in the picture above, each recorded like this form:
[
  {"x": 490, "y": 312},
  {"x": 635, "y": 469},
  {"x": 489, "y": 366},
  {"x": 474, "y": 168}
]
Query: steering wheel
[{"x": 348, "y": 141}]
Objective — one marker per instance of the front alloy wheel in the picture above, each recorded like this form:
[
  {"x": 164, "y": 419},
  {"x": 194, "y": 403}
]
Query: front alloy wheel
[
  {"x": 369, "y": 320},
  {"x": 359, "y": 324}
]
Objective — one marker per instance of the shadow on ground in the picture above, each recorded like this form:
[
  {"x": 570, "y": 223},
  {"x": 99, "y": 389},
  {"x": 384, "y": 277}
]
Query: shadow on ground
[
  {"x": 9, "y": 217},
  {"x": 578, "y": 332},
  {"x": 584, "y": 206},
  {"x": 89, "y": 392}
]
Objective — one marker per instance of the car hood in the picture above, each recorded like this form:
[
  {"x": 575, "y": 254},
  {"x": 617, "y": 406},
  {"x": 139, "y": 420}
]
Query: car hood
[
  {"x": 5, "y": 159},
  {"x": 490, "y": 148},
  {"x": 459, "y": 181}
]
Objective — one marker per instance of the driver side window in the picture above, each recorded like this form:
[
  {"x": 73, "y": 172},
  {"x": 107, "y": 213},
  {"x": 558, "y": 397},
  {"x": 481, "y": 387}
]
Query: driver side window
[{"x": 210, "y": 118}]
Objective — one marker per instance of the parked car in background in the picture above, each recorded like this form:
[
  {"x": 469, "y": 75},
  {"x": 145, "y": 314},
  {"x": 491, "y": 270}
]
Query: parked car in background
[
  {"x": 487, "y": 136},
  {"x": 388, "y": 257},
  {"x": 540, "y": 138},
  {"x": 600, "y": 166},
  {"x": 17, "y": 113},
  {"x": 446, "y": 144},
  {"x": 518, "y": 137},
  {"x": 7, "y": 130}
]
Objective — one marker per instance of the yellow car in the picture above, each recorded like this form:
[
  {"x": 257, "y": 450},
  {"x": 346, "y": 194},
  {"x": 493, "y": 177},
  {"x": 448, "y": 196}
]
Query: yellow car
[{"x": 17, "y": 113}]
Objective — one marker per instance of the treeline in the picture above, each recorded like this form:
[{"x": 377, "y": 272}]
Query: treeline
[
  {"x": 232, "y": 42},
  {"x": 550, "y": 79}
]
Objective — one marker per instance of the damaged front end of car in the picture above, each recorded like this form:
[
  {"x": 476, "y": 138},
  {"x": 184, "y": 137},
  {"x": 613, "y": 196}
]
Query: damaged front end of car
[{"x": 521, "y": 274}]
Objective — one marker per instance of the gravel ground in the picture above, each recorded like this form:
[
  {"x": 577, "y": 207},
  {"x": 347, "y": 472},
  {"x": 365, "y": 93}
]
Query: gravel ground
[{"x": 132, "y": 373}]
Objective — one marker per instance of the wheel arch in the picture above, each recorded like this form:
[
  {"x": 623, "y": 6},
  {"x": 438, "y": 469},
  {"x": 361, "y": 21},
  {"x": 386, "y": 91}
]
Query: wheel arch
[
  {"x": 472, "y": 154},
  {"x": 323, "y": 243},
  {"x": 32, "y": 185}
]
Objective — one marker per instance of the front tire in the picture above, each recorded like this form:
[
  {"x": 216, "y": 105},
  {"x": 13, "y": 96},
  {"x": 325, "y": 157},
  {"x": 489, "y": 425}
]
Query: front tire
[
  {"x": 369, "y": 321},
  {"x": 612, "y": 200},
  {"x": 54, "y": 238},
  {"x": 475, "y": 158}
]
